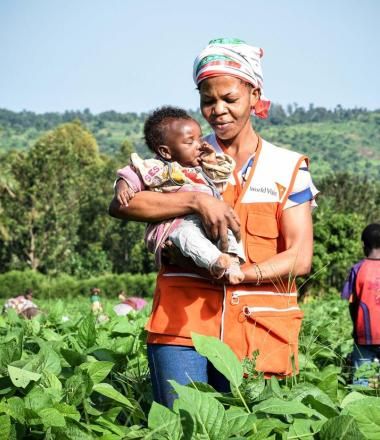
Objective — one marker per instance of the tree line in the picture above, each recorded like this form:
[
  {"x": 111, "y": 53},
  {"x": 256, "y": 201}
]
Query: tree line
[{"x": 291, "y": 114}]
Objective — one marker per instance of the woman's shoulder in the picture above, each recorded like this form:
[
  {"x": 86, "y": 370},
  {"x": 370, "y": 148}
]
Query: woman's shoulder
[{"x": 281, "y": 151}]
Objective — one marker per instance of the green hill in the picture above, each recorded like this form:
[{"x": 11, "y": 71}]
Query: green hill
[{"x": 344, "y": 140}]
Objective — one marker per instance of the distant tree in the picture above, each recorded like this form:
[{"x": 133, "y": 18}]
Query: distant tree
[
  {"x": 337, "y": 246},
  {"x": 44, "y": 215},
  {"x": 348, "y": 193}
]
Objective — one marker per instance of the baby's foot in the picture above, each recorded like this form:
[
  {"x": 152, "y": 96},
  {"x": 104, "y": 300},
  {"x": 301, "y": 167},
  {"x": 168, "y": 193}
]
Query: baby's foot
[
  {"x": 234, "y": 273},
  {"x": 221, "y": 264}
]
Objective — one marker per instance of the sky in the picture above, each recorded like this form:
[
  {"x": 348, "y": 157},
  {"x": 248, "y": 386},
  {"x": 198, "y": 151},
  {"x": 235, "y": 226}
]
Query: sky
[{"x": 133, "y": 56}]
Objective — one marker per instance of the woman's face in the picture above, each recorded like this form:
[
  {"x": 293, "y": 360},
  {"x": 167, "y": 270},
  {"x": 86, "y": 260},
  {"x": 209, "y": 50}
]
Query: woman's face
[{"x": 226, "y": 104}]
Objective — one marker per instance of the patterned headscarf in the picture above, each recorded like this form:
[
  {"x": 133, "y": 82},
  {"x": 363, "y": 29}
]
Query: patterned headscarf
[{"x": 231, "y": 56}]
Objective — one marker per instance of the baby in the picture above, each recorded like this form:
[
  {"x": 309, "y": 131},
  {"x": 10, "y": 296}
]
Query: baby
[{"x": 183, "y": 162}]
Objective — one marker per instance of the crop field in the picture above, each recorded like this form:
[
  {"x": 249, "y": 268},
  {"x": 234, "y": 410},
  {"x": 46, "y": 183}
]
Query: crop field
[{"x": 65, "y": 376}]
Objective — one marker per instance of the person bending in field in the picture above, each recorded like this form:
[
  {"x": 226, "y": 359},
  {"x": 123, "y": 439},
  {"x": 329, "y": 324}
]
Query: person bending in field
[
  {"x": 23, "y": 305},
  {"x": 183, "y": 162},
  {"x": 362, "y": 289}
]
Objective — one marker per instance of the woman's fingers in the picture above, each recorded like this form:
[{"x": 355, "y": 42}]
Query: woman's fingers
[{"x": 217, "y": 217}]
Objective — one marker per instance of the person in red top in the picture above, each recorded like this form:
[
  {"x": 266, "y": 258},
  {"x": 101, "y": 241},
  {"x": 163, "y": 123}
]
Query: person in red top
[
  {"x": 362, "y": 290},
  {"x": 267, "y": 201}
]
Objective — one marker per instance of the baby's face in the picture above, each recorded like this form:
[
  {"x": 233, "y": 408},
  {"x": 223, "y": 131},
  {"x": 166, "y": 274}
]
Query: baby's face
[{"x": 184, "y": 141}]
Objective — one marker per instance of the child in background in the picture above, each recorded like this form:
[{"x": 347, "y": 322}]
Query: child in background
[
  {"x": 362, "y": 289},
  {"x": 183, "y": 162},
  {"x": 96, "y": 305}
]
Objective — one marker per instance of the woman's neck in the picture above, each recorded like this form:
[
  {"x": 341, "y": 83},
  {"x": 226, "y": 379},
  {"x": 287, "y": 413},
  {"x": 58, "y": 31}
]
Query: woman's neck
[{"x": 242, "y": 146}]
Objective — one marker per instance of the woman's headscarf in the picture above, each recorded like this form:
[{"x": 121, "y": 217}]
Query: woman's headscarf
[{"x": 231, "y": 56}]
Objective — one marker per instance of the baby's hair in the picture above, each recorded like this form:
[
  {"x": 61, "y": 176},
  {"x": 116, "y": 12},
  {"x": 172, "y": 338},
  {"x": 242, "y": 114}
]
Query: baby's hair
[
  {"x": 371, "y": 236},
  {"x": 156, "y": 124}
]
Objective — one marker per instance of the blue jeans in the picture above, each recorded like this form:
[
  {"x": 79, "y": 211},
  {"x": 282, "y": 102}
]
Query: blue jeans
[
  {"x": 182, "y": 364},
  {"x": 363, "y": 354}
]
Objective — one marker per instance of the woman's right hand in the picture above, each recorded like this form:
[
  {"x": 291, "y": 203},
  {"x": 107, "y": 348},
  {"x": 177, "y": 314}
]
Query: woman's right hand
[{"x": 217, "y": 216}]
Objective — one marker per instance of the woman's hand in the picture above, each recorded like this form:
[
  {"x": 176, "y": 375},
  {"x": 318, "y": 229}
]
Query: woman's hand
[{"x": 217, "y": 216}]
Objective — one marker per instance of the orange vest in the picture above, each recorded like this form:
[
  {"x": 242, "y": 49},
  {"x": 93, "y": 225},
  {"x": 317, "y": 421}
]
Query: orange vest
[{"x": 247, "y": 317}]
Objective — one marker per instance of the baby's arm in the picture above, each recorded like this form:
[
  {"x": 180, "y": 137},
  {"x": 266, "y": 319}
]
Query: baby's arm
[{"x": 127, "y": 185}]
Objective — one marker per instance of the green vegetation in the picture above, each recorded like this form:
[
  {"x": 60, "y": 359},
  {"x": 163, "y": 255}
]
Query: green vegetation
[{"x": 65, "y": 376}]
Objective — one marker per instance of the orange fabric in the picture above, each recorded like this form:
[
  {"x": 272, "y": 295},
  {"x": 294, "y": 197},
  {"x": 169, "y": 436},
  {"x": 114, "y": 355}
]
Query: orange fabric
[{"x": 182, "y": 305}]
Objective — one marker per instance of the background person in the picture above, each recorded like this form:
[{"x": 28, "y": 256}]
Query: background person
[
  {"x": 268, "y": 200},
  {"x": 362, "y": 290},
  {"x": 128, "y": 304},
  {"x": 23, "y": 305}
]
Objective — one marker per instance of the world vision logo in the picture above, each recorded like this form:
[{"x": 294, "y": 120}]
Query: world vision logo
[{"x": 281, "y": 189}]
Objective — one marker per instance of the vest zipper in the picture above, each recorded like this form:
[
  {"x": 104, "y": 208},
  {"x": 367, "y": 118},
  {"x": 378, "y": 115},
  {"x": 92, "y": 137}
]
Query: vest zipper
[
  {"x": 238, "y": 293},
  {"x": 249, "y": 310},
  {"x": 223, "y": 312}
]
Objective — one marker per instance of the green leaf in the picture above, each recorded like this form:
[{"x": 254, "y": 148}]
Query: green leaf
[
  {"x": 68, "y": 411},
  {"x": 200, "y": 413},
  {"x": 107, "y": 390},
  {"x": 221, "y": 356},
  {"x": 11, "y": 350},
  {"x": 73, "y": 431},
  {"x": 46, "y": 360},
  {"x": 300, "y": 429},
  {"x": 21, "y": 378},
  {"x": 302, "y": 390},
  {"x": 112, "y": 427},
  {"x": 329, "y": 382},
  {"x": 366, "y": 412},
  {"x": 50, "y": 380},
  {"x": 352, "y": 397},
  {"x": 98, "y": 370},
  {"x": 87, "y": 332},
  {"x": 105, "y": 354},
  {"x": 77, "y": 387},
  {"x": 266, "y": 426},
  {"x": 38, "y": 399},
  {"x": 125, "y": 327},
  {"x": 112, "y": 413},
  {"x": 274, "y": 405},
  {"x": 5, "y": 427},
  {"x": 323, "y": 409},
  {"x": 239, "y": 422},
  {"x": 342, "y": 427},
  {"x": 164, "y": 421},
  {"x": 15, "y": 407},
  {"x": 73, "y": 357},
  {"x": 275, "y": 387},
  {"x": 52, "y": 417}
]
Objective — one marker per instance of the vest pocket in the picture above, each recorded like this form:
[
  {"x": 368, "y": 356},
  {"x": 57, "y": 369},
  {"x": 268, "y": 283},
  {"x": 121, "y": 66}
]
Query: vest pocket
[
  {"x": 262, "y": 235},
  {"x": 274, "y": 333}
]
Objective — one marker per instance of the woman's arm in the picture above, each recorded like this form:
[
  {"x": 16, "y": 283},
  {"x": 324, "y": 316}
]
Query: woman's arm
[
  {"x": 149, "y": 206},
  {"x": 297, "y": 229}
]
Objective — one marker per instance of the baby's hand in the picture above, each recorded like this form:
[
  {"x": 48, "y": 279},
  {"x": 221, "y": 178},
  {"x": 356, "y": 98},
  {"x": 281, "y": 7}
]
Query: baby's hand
[
  {"x": 123, "y": 193},
  {"x": 208, "y": 153}
]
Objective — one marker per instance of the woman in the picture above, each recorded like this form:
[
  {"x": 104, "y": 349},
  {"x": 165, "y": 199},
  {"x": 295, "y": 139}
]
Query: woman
[{"x": 269, "y": 201}]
